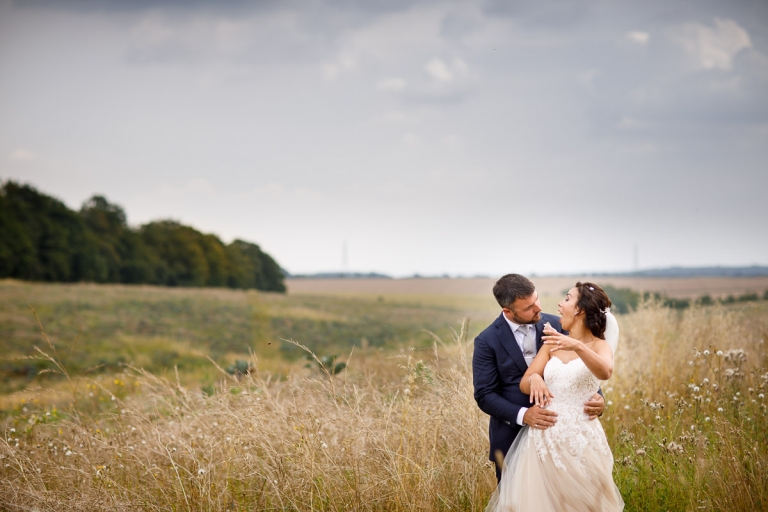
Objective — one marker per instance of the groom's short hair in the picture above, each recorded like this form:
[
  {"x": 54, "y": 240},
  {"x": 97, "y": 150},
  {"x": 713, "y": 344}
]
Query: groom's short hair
[{"x": 512, "y": 287}]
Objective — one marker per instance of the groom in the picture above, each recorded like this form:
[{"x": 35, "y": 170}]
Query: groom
[{"x": 502, "y": 354}]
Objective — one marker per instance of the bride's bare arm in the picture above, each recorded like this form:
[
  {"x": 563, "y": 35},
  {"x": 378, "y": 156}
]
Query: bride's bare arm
[
  {"x": 599, "y": 358},
  {"x": 532, "y": 382}
]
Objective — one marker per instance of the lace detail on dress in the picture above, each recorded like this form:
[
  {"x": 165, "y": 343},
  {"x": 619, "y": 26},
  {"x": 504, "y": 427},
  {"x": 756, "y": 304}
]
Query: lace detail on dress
[{"x": 571, "y": 384}]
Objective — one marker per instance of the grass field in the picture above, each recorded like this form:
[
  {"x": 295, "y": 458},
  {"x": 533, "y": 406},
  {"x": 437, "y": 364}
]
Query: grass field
[
  {"x": 548, "y": 287},
  {"x": 397, "y": 429}
]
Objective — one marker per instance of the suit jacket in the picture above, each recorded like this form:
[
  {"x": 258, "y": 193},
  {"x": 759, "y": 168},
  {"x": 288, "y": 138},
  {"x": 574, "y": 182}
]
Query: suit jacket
[{"x": 498, "y": 365}]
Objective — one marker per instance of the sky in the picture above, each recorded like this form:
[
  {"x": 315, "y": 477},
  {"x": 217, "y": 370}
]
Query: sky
[{"x": 460, "y": 138}]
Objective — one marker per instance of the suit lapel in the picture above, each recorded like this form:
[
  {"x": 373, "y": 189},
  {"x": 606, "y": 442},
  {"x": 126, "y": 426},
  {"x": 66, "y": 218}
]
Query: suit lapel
[
  {"x": 539, "y": 333},
  {"x": 509, "y": 343}
]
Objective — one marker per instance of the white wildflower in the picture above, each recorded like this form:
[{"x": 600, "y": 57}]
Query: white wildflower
[
  {"x": 673, "y": 447},
  {"x": 719, "y": 352},
  {"x": 706, "y": 352},
  {"x": 201, "y": 471},
  {"x": 719, "y": 409},
  {"x": 706, "y": 419}
]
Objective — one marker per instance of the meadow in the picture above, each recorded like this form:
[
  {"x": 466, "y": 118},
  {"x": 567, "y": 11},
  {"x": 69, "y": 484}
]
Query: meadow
[{"x": 395, "y": 429}]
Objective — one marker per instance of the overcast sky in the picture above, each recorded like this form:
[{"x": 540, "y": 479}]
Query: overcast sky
[{"x": 433, "y": 137}]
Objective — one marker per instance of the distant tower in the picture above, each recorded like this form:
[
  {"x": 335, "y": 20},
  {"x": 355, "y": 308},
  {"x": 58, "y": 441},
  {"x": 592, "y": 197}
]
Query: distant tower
[
  {"x": 635, "y": 260},
  {"x": 344, "y": 258}
]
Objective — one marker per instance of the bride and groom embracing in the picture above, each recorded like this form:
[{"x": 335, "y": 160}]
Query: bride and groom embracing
[{"x": 541, "y": 389}]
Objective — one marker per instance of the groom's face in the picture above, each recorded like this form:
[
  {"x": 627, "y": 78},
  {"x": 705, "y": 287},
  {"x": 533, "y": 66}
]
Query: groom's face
[{"x": 524, "y": 311}]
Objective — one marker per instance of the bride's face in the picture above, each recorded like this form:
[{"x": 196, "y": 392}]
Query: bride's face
[{"x": 568, "y": 310}]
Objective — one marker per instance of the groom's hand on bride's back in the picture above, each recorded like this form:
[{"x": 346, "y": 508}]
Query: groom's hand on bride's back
[
  {"x": 595, "y": 406},
  {"x": 539, "y": 418}
]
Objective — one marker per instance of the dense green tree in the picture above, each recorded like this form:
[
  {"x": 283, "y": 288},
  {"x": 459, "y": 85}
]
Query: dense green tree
[{"x": 41, "y": 239}]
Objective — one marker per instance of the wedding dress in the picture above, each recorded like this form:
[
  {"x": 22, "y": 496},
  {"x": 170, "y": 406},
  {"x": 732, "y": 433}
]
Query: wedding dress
[{"x": 568, "y": 466}]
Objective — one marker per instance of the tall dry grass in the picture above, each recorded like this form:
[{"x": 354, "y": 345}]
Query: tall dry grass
[{"x": 688, "y": 429}]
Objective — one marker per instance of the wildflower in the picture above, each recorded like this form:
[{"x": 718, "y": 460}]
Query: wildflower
[
  {"x": 640, "y": 452},
  {"x": 673, "y": 447},
  {"x": 626, "y": 407},
  {"x": 761, "y": 395},
  {"x": 693, "y": 427},
  {"x": 133, "y": 429},
  {"x": 719, "y": 353},
  {"x": 13, "y": 430},
  {"x": 610, "y": 402},
  {"x": 201, "y": 471},
  {"x": 695, "y": 389},
  {"x": 719, "y": 409},
  {"x": 706, "y": 419},
  {"x": 706, "y": 381},
  {"x": 736, "y": 356},
  {"x": 706, "y": 352},
  {"x": 658, "y": 418},
  {"x": 323, "y": 445},
  {"x": 69, "y": 452}
]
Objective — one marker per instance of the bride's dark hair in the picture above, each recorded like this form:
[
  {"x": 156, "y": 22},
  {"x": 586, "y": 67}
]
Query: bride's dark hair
[{"x": 592, "y": 301}]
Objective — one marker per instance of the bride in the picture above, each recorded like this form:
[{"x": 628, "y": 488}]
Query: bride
[{"x": 567, "y": 466}]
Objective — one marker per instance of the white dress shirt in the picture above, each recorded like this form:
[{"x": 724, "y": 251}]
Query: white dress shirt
[{"x": 519, "y": 338}]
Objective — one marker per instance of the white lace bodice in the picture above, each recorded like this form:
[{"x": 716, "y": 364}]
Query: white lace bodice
[{"x": 572, "y": 384}]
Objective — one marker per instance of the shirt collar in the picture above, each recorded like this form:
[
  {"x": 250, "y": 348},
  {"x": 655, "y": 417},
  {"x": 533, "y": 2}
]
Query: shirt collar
[{"x": 512, "y": 325}]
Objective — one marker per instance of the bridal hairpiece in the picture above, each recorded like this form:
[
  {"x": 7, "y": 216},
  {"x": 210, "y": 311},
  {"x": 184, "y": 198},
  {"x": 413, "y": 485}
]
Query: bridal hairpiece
[
  {"x": 606, "y": 311},
  {"x": 592, "y": 288}
]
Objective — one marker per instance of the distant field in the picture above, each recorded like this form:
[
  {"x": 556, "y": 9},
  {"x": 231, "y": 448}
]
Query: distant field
[
  {"x": 547, "y": 286},
  {"x": 100, "y": 328}
]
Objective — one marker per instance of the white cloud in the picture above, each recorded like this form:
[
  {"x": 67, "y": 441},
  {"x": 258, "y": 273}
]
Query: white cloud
[
  {"x": 638, "y": 37},
  {"x": 392, "y": 85},
  {"x": 714, "y": 47},
  {"x": 438, "y": 70},
  {"x": 343, "y": 63},
  {"x": 627, "y": 123},
  {"x": 396, "y": 117},
  {"x": 22, "y": 154},
  {"x": 191, "y": 187},
  {"x": 587, "y": 78},
  {"x": 411, "y": 139}
]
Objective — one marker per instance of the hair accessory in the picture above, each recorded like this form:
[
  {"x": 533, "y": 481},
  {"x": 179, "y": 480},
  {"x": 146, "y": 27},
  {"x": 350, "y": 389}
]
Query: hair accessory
[
  {"x": 592, "y": 288},
  {"x": 606, "y": 311}
]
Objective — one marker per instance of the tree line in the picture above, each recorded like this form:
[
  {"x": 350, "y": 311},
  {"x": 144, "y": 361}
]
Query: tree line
[{"x": 41, "y": 239}]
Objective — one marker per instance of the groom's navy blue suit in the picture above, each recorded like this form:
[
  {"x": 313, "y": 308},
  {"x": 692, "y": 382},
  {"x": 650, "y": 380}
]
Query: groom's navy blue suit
[{"x": 498, "y": 365}]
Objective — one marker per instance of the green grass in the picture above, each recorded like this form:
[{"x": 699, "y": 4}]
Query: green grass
[{"x": 100, "y": 328}]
